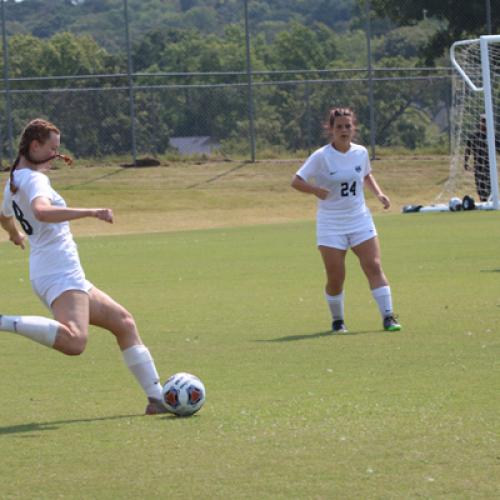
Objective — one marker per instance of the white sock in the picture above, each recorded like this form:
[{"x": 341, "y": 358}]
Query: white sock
[
  {"x": 37, "y": 328},
  {"x": 141, "y": 364},
  {"x": 336, "y": 305},
  {"x": 383, "y": 298}
]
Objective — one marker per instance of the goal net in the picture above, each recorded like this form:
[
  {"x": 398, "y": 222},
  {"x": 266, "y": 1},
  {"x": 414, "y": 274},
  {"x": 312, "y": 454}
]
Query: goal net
[{"x": 475, "y": 121}]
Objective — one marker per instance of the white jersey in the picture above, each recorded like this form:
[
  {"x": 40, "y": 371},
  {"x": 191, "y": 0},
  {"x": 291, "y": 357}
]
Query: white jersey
[
  {"x": 343, "y": 174},
  {"x": 52, "y": 248}
]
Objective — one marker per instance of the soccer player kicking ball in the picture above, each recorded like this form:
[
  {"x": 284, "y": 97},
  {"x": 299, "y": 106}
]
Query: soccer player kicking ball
[
  {"x": 340, "y": 169},
  {"x": 55, "y": 271}
]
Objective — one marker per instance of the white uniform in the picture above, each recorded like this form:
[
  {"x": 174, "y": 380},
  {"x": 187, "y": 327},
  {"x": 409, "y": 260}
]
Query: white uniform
[
  {"x": 54, "y": 262},
  {"x": 343, "y": 219}
]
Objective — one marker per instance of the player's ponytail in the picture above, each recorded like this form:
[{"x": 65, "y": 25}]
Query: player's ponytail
[{"x": 13, "y": 188}]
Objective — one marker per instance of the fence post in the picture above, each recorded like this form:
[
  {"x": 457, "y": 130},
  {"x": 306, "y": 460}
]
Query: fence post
[
  {"x": 130, "y": 85},
  {"x": 488, "y": 18},
  {"x": 370, "y": 75},
  {"x": 250, "y": 85},
  {"x": 308, "y": 117},
  {"x": 6, "y": 81}
]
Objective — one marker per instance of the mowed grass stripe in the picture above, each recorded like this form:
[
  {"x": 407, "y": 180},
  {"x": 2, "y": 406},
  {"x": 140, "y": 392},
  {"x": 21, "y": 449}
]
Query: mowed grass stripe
[{"x": 292, "y": 411}]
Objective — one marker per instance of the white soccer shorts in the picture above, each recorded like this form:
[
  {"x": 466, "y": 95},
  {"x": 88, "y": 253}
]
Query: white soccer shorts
[
  {"x": 49, "y": 288},
  {"x": 330, "y": 239}
]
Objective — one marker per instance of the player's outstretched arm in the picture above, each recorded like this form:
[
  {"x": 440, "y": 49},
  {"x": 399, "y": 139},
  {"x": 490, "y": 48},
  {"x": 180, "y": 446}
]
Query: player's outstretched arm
[{"x": 44, "y": 211}]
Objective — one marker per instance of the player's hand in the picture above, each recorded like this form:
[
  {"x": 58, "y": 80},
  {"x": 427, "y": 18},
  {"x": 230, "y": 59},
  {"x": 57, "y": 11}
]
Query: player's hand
[
  {"x": 104, "y": 214},
  {"x": 321, "y": 193},
  {"x": 18, "y": 239},
  {"x": 384, "y": 200}
]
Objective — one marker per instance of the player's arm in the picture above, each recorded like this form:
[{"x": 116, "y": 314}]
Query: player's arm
[
  {"x": 372, "y": 185},
  {"x": 9, "y": 225},
  {"x": 305, "y": 187},
  {"x": 44, "y": 211}
]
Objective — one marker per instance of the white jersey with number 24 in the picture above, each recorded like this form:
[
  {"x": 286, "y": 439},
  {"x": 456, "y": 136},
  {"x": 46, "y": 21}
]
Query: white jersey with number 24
[{"x": 343, "y": 175}]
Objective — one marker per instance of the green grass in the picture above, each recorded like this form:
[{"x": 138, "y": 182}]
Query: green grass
[
  {"x": 292, "y": 411},
  {"x": 183, "y": 195}
]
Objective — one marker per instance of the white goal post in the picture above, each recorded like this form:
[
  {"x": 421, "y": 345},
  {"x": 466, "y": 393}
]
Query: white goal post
[{"x": 475, "y": 120}]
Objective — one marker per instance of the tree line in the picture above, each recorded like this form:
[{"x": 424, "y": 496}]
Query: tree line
[{"x": 287, "y": 115}]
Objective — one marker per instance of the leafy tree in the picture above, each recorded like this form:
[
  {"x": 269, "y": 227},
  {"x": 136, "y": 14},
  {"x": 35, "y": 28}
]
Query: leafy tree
[
  {"x": 300, "y": 47},
  {"x": 185, "y": 36},
  {"x": 81, "y": 114},
  {"x": 406, "y": 41},
  {"x": 104, "y": 19},
  {"x": 192, "y": 110},
  {"x": 463, "y": 18},
  {"x": 188, "y": 4},
  {"x": 63, "y": 54},
  {"x": 67, "y": 54},
  {"x": 338, "y": 13}
]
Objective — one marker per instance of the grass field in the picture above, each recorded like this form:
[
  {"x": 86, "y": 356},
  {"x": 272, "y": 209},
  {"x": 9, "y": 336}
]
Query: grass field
[
  {"x": 180, "y": 195},
  {"x": 292, "y": 410}
]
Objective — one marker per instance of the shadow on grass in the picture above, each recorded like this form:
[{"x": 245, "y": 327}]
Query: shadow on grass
[
  {"x": 218, "y": 176},
  {"x": 489, "y": 271},
  {"x": 85, "y": 183},
  {"x": 51, "y": 426},
  {"x": 310, "y": 336}
]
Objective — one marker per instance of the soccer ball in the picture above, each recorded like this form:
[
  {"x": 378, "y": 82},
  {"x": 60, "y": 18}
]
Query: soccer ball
[
  {"x": 183, "y": 394},
  {"x": 455, "y": 204}
]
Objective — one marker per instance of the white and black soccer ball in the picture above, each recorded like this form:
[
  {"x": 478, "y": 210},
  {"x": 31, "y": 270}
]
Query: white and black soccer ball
[
  {"x": 183, "y": 394},
  {"x": 455, "y": 204}
]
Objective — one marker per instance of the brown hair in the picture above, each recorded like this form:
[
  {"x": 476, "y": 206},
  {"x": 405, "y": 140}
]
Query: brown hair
[
  {"x": 335, "y": 112},
  {"x": 36, "y": 130}
]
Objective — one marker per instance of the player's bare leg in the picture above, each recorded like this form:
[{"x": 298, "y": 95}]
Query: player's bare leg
[
  {"x": 108, "y": 314},
  {"x": 66, "y": 333},
  {"x": 334, "y": 261},
  {"x": 71, "y": 309},
  {"x": 368, "y": 254}
]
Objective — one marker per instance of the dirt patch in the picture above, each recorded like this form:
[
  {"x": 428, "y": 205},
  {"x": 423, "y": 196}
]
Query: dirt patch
[{"x": 142, "y": 162}]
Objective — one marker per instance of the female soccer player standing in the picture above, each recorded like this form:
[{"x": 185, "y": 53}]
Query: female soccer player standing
[
  {"x": 55, "y": 271},
  {"x": 340, "y": 169}
]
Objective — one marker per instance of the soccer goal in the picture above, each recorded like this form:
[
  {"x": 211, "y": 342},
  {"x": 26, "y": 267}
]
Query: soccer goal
[{"x": 475, "y": 122}]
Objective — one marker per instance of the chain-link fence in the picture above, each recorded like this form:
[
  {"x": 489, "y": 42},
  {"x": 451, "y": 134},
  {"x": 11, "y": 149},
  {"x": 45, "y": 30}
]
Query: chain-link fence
[
  {"x": 245, "y": 113},
  {"x": 288, "y": 114}
]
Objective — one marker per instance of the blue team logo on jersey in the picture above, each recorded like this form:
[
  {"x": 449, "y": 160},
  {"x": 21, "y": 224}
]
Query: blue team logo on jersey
[{"x": 358, "y": 169}]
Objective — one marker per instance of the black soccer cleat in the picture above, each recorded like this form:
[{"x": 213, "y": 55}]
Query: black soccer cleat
[
  {"x": 338, "y": 326},
  {"x": 391, "y": 324}
]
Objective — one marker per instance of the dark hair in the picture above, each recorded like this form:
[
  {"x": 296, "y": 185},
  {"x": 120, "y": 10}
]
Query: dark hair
[
  {"x": 335, "y": 112},
  {"x": 36, "y": 130}
]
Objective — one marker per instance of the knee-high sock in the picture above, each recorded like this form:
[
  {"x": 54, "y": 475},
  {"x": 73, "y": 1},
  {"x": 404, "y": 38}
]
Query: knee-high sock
[
  {"x": 336, "y": 305},
  {"x": 37, "y": 328},
  {"x": 383, "y": 297},
  {"x": 141, "y": 364}
]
